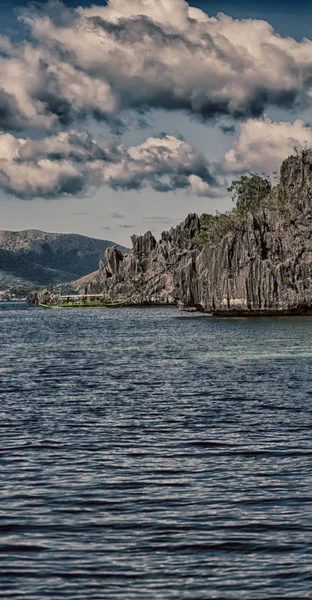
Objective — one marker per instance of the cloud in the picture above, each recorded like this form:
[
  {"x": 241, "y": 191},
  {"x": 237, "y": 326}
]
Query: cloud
[
  {"x": 142, "y": 54},
  {"x": 72, "y": 162},
  {"x": 227, "y": 129},
  {"x": 199, "y": 187},
  {"x": 116, "y": 62},
  {"x": 263, "y": 144},
  {"x": 158, "y": 220},
  {"x": 11, "y": 116},
  {"x": 116, "y": 215}
]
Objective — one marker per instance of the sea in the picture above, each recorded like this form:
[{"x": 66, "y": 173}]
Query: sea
[{"x": 152, "y": 454}]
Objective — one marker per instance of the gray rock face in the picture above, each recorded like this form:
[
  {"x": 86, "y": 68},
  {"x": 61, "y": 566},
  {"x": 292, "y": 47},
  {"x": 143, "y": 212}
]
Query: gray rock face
[
  {"x": 43, "y": 296},
  {"x": 262, "y": 266},
  {"x": 145, "y": 275}
]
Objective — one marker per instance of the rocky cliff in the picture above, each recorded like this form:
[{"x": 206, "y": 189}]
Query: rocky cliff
[
  {"x": 255, "y": 260},
  {"x": 146, "y": 274},
  {"x": 263, "y": 263}
]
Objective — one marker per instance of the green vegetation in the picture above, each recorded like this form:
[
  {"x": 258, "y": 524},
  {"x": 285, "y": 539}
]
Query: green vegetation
[
  {"x": 22, "y": 267},
  {"x": 64, "y": 288},
  {"x": 15, "y": 286},
  {"x": 249, "y": 193},
  {"x": 215, "y": 227},
  {"x": 288, "y": 206},
  {"x": 286, "y": 280}
]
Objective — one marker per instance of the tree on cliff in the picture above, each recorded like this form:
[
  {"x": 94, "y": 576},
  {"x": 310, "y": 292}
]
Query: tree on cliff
[{"x": 249, "y": 190}]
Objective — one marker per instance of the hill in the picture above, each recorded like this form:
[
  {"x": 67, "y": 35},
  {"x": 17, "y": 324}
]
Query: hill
[{"x": 35, "y": 258}]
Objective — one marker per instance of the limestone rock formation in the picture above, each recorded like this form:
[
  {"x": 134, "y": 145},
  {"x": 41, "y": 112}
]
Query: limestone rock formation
[
  {"x": 263, "y": 265},
  {"x": 260, "y": 262},
  {"x": 260, "y": 268},
  {"x": 43, "y": 296},
  {"x": 145, "y": 275}
]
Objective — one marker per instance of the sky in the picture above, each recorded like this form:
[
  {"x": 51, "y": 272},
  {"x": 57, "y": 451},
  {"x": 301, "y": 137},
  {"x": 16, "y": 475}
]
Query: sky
[{"x": 122, "y": 117}]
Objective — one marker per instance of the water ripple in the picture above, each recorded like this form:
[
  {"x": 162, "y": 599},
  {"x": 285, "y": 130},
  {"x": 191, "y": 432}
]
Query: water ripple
[{"x": 147, "y": 454}]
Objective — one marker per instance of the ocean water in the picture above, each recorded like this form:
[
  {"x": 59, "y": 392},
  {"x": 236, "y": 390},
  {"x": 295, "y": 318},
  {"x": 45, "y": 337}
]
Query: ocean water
[{"x": 150, "y": 454}]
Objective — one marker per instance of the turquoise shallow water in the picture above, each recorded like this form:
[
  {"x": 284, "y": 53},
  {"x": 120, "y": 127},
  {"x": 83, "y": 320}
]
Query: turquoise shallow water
[{"x": 151, "y": 454}]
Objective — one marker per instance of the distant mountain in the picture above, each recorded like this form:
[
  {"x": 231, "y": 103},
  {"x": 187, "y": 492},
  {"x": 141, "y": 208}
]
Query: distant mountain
[{"x": 36, "y": 258}]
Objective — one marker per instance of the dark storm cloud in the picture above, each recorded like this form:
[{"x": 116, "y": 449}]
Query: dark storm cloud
[
  {"x": 228, "y": 129},
  {"x": 11, "y": 117}
]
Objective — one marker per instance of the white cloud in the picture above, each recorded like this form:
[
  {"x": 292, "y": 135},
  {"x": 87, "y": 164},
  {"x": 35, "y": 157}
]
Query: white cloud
[
  {"x": 199, "y": 187},
  {"x": 143, "y": 54},
  {"x": 263, "y": 145},
  {"x": 137, "y": 55}
]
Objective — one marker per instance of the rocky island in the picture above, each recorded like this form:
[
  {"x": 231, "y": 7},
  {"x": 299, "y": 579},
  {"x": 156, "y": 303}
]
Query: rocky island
[{"x": 253, "y": 260}]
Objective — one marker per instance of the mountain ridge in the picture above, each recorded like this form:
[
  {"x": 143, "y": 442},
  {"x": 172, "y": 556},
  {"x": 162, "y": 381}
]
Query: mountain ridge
[
  {"x": 33, "y": 257},
  {"x": 8, "y": 235}
]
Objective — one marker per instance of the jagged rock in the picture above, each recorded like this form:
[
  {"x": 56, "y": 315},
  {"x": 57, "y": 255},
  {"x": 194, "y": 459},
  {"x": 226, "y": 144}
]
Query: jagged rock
[
  {"x": 263, "y": 265},
  {"x": 44, "y": 296},
  {"x": 145, "y": 275}
]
